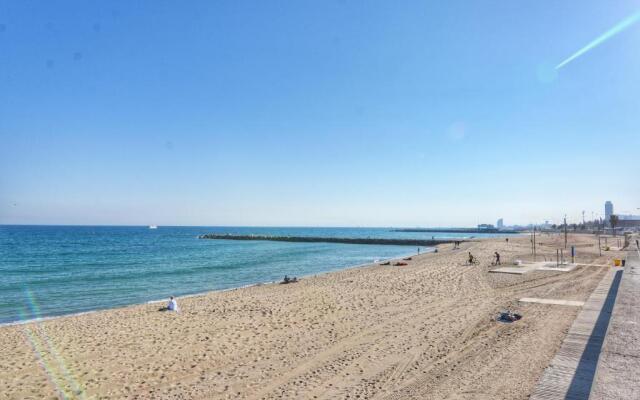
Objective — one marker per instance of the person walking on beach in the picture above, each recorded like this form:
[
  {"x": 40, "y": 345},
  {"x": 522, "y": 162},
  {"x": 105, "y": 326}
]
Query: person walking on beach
[
  {"x": 173, "y": 305},
  {"x": 497, "y": 258}
]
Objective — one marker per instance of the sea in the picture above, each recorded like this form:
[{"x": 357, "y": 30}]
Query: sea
[{"x": 49, "y": 271}]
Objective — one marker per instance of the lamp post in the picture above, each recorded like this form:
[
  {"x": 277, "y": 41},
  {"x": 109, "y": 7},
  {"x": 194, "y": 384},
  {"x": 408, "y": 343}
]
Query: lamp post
[
  {"x": 533, "y": 242},
  {"x": 599, "y": 246},
  {"x": 565, "y": 231}
]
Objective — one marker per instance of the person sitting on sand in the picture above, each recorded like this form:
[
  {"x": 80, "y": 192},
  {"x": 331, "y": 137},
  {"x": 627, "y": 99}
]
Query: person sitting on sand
[
  {"x": 471, "y": 259},
  {"x": 173, "y": 305},
  {"x": 497, "y": 258}
]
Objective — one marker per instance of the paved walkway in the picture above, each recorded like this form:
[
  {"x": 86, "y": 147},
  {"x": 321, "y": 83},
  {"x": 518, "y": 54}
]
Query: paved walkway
[
  {"x": 618, "y": 374},
  {"x": 571, "y": 372}
]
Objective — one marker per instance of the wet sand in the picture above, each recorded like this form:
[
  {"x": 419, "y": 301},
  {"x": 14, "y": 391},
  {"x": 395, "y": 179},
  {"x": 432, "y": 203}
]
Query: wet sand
[{"x": 425, "y": 330}]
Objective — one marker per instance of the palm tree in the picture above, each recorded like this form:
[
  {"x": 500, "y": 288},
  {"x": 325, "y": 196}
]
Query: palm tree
[{"x": 613, "y": 220}]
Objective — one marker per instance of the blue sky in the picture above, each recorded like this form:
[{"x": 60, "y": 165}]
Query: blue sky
[{"x": 333, "y": 113}]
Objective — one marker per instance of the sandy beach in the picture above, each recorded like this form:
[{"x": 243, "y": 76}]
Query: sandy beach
[{"x": 425, "y": 330}]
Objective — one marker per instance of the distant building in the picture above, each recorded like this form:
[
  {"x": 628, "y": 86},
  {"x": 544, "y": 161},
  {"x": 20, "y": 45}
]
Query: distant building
[
  {"x": 500, "y": 224},
  {"x": 608, "y": 211},
  {"x": 628, "y": 221},
  {"x": 624, "y": 220},
  {"x": 486, "y": 226}
]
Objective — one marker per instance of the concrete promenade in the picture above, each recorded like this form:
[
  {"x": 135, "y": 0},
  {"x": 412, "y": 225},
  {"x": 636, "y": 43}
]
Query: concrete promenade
[
  {"x": 571, "y": 372},
  {"x": 600, "y": 357},
  {"x": 618, "y": 372}
]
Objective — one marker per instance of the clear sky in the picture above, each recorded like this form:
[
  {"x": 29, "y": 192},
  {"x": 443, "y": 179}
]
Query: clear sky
[{"x": 332, "y": 113}]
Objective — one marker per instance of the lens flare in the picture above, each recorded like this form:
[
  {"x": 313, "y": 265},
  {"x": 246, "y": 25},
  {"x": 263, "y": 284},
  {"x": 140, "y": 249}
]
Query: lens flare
[
  {"x": 53, "y": 364},
  {"x": 619, "y": 27}
]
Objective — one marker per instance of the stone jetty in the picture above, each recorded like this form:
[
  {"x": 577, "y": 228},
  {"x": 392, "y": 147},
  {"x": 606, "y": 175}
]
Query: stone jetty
[{"x": 313, "y": 239}]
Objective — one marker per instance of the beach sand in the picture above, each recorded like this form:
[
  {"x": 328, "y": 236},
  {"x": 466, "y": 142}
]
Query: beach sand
[{"x": 422, "y": 331}]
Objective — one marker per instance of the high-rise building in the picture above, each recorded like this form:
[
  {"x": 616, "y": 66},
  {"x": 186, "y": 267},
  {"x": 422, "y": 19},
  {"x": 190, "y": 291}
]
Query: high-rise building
[
  {"x": 608, "y": 211},
  {"x": 500, "y": 224}
]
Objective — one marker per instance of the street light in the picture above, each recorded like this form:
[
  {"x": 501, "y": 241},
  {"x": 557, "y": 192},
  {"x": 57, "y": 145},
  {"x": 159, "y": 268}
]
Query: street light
[{"x": 565, "y": 231}]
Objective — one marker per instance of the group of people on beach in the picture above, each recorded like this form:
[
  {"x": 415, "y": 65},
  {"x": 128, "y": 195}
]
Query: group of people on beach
[
  {"x": 173, "y": 304},
  {"x": 289, "y": 280}
]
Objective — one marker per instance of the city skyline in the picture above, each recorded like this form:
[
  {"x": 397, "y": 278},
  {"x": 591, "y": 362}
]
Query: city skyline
[{"x": 573, "y": 218}]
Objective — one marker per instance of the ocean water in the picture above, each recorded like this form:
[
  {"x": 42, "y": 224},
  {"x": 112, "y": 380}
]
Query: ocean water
[{"x": 48, "y": 271}]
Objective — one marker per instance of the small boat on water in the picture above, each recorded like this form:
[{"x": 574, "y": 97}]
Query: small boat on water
[{"x": 153, "y": 226}]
